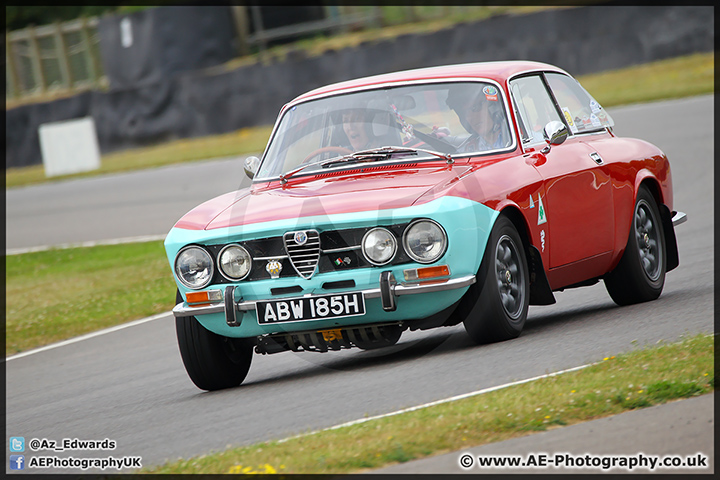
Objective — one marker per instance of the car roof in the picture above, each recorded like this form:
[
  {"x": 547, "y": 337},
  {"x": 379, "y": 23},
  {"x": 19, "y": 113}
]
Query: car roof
[{"x": 497, "y": 71}]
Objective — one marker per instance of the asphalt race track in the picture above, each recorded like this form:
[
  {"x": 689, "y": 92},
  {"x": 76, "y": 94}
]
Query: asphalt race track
[
  {"x": 116, "y": 206},
  {"x": 130, "y": 386}
]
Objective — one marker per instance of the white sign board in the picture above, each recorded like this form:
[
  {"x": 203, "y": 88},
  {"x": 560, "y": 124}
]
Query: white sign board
[
  {"x": 126, "y": 37},
  {"x": 69, "y": 147}
]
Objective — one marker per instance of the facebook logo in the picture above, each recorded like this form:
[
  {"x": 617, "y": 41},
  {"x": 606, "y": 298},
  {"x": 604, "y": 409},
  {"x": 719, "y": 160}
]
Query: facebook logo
[
  {"x": 17, "y": 444},
  {"x": 17, "y": 462}
]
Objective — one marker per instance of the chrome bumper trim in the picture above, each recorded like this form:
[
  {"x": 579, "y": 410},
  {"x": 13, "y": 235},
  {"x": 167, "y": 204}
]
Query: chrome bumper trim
[
  {"x": 182, "y": 310},
  {"x": 678, "y": 218}
]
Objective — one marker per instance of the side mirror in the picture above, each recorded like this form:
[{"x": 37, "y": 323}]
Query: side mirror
[
  {"x": 554, "y": 133},
  {"x": 250, "y": 165}
]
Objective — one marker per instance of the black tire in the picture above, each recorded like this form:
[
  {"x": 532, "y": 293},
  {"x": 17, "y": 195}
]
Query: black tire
[
  {"x": 212, "y": 361},
  {"x": 640, "y": 275},
  {"x": 495, "y": 307}
]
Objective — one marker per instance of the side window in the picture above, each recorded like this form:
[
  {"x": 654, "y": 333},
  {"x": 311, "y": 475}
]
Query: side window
[
  {"x": 534, "y": 106},
  {"x": 582, "y": 113}
]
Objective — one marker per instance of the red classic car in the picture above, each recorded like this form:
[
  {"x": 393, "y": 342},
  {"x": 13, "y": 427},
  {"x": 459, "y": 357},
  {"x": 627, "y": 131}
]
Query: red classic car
[{"x": 415, "y": 200}]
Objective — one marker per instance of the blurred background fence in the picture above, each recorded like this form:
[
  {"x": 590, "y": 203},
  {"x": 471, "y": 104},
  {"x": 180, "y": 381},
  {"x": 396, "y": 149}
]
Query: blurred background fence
[
  {"x": 66, "y": 56},
  {"x": 62, "y": 56}
]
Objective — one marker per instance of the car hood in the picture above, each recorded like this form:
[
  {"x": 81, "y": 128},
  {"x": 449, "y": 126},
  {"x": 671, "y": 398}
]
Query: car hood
[{"x": 323, "y": 194}]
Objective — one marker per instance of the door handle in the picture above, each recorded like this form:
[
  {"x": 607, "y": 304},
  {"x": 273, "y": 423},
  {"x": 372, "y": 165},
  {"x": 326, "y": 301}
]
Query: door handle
[{"x": 596, "y": 158}]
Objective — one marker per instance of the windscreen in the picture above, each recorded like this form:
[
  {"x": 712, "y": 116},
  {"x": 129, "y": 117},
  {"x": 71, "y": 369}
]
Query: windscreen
[{"x": 453, "y": 117}]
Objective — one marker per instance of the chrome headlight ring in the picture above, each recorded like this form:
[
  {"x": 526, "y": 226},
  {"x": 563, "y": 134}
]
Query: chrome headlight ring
[
  {"x": 425, "y": 241},
  {"x": 234, "y": 262},
  {"x": 194, "y": 267},
  {"x": 379, "y": 246}
]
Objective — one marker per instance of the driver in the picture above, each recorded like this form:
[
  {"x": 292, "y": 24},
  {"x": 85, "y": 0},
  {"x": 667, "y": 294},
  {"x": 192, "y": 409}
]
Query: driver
[
  {"x": 480, "y": 113},
  {"x": 357, "y": 128},
  {"x": 352, "y": 132}
]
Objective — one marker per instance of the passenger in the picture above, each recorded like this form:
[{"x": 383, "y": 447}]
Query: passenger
[{"x": 480, "y": 113}]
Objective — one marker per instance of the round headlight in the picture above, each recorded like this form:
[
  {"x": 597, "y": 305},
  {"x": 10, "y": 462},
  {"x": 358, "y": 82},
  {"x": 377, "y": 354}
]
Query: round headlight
[
  {"x": 379, "y": 246},
  {"x": 194, "y": 267},
  {"x": 234, "y": 262},
  {"x": 425, "y": 241}
]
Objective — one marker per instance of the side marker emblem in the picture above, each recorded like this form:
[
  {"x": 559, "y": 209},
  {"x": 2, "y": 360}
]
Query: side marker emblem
[{"x": 541, "y": 212}]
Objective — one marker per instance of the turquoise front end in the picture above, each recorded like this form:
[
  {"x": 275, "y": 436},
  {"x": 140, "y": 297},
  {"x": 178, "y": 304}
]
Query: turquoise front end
[{"x": 467, "y": 223}]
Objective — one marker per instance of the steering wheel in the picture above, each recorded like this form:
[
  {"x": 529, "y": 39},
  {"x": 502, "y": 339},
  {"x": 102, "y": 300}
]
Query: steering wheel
[{"x": 320, "y": 151}]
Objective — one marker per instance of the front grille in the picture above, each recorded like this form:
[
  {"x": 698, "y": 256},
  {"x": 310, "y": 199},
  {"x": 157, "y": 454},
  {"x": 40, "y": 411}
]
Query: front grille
[
  {"x": 303, "y": 249},
  {"x": 328, "y": 251}
]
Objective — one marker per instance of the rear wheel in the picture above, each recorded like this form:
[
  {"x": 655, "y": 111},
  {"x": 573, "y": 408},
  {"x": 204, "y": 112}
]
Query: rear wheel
[
  {"x": 640, "y": 275},
  {"x": 495, "y": 307},
  {"x": 212, "y": 361}
]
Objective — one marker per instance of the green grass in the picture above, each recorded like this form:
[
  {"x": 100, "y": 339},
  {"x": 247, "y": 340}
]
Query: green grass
[
  {"x": 638, "y": 379},
  {"x": 674, "y": 78},
  {"x": 666, "y": 79},
  {"x": 58, "y": 294}
]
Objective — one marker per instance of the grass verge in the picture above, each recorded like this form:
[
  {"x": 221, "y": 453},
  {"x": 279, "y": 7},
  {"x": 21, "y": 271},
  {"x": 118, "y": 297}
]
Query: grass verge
[
  {"x": 638, "y": 379},
  {"x": 673, "y": 78},
  {"x": 663, "y": 80},
  {"x": 58, "y": 294}
]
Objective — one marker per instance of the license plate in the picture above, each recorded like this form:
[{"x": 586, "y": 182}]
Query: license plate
[
  {"x": 330, "y": 335},
  {"x": 311, "y": 308}
]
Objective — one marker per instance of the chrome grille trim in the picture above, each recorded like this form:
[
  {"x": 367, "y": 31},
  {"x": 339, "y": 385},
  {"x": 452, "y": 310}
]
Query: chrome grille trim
[
  {"x": 343, "y": 249},
  {"x": 303, "y": 258}
]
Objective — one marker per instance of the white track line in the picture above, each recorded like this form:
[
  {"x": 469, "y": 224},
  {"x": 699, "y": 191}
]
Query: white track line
[
  {"x": 115, "y": 241},
  {"x": 89, "y": 335},
  {"x": 439, "y": 402},
  {"x": 342, "y": 425}
]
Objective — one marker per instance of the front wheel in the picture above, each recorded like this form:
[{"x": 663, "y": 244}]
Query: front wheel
[
  {"x": 640, "y": 275},
  {"x": 213, "y": 362},
  {"x": 495, "y": 307}
]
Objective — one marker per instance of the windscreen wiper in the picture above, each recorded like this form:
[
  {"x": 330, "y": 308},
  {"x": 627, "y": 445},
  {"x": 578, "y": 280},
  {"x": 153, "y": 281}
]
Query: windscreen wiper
[
  {"x": 382, "y": 153},
  {"x": 363, "y": 156}
]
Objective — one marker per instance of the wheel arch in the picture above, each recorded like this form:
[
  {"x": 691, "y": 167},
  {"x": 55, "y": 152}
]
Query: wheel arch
[
  {"x": 540, "y": 290},
  {"x": 652, "y": 184}
]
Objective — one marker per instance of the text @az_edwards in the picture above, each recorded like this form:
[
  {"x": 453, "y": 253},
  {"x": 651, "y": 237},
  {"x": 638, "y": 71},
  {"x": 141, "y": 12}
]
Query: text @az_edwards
[{"x": 66, "y": 444}]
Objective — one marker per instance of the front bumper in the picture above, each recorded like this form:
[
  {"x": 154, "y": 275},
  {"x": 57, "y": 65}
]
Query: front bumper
[
  {"x": 678, "y": 218},
  {"x": 388, "y": 289},
  {"x": 466, "y": 222}
]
